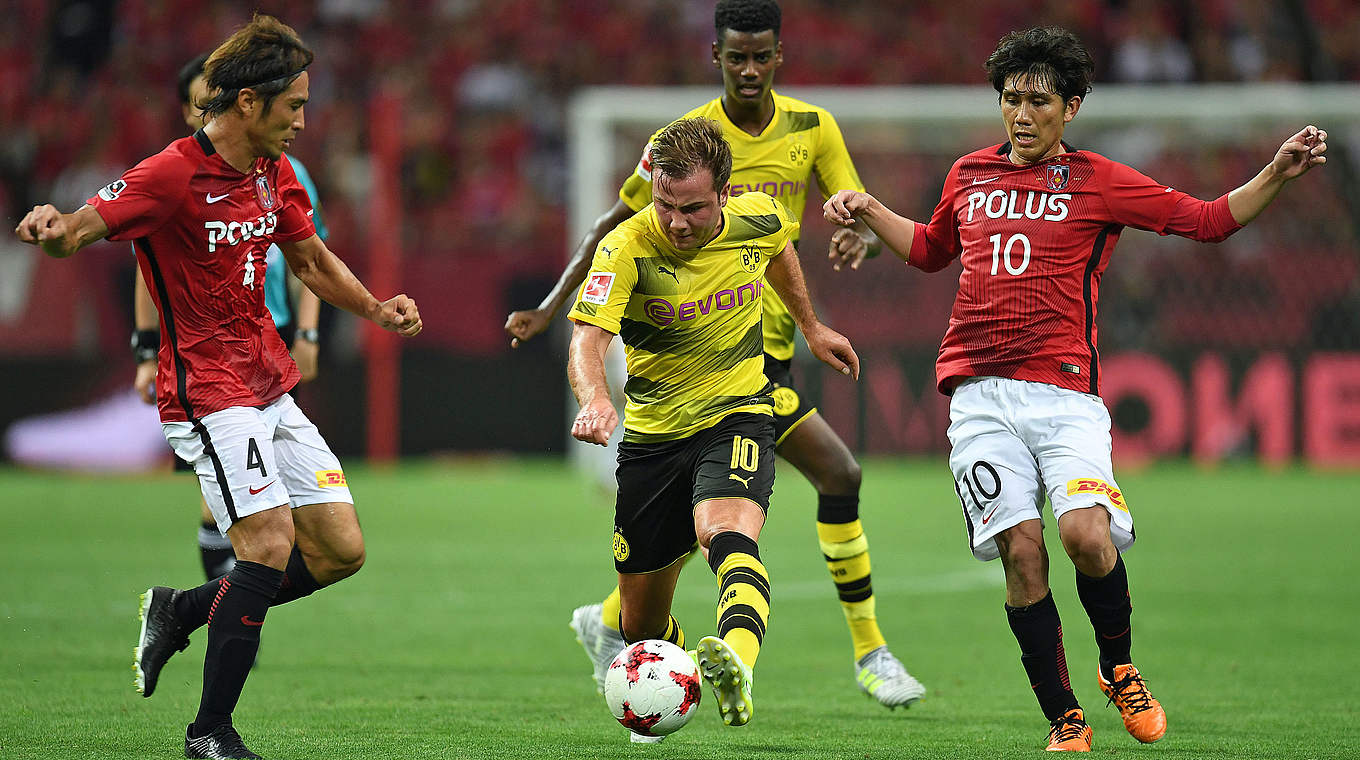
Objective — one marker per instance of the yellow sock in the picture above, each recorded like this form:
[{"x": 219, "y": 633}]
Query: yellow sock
[
  {"x": 610, "y": 609},
  {"x": 846, "y": 551},
  {"x": 743, "y": 604},
  {"x": 674, "y": 634}
]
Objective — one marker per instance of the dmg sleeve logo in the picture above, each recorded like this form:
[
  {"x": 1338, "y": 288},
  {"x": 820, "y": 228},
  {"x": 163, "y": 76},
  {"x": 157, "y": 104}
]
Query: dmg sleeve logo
[{"x": 663, "y": 312}]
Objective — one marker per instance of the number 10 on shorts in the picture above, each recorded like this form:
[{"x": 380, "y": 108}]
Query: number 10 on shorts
[{"x": 745, "y": 454}]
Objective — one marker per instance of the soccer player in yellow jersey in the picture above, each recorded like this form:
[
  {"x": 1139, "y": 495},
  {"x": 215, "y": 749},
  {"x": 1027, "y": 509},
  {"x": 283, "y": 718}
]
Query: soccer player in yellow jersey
[
  {"x": 680, "y": 282},
  {"x": 780, "y": 146}
]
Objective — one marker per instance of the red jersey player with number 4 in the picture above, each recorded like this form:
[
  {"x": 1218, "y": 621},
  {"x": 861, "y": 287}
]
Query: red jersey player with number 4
[
  {"x": 201, "y": 215},
  {"x": 1034, "y": 222}
]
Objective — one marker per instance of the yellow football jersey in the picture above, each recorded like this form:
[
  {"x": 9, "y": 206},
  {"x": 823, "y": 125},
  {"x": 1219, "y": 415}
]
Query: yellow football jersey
[
  {"x": 801, "y": 142},
  {"x": 690, "y": 320}
]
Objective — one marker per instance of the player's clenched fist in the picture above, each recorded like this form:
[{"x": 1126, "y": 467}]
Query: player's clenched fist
[
  {"x": 844, "y": 206},
  {"x": 43, "y": 224},
  {"x": 399, "y": 314},
  {"x": 595, "y": 422}
]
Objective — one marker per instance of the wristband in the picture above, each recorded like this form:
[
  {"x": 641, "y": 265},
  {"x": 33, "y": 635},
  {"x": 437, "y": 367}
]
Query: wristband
[
  {"x": 309, "y": 334},
  {"x": 145, "y": 345}
]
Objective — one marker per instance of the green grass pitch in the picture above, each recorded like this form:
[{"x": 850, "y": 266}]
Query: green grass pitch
[{"x": 452, "y": 642}]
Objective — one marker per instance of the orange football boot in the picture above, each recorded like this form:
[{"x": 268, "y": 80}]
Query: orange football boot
[
  {"x": 1070, "y": 733},
  {"x": 1143, "y": 716}
]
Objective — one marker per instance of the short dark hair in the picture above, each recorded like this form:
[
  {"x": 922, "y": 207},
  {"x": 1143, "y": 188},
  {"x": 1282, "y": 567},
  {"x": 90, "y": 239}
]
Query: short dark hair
[
  {"x": 750, "y": 16},
  {"x": 1048, "y": 56},
  {"x": 687, "y": 145},
  {"x": 265, "y": 55},
  {"x": 187, "y": 74}
]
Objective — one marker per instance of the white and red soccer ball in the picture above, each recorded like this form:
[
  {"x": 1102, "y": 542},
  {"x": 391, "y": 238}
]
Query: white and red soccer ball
[{"x": 652, "y": 687}]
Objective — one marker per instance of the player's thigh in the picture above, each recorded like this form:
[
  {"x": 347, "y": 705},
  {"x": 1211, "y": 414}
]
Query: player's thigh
[
  {"x": 820, "y": 454},
  {"x": 653, "y": 527},
  {"x": 734, "y": 465},
  {"x": 232, "y": 452},
  {"x": 995, "y": 476},
  {"x": 1069, "y": 433}
]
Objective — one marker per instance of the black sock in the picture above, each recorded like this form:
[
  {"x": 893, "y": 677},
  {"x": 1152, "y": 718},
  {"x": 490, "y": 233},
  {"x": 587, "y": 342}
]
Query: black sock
[
  {"x": 215, "y": 551},
  {"x": 234, "y": 623},
  {"x": 836, "y": 510},
  {"x": 1039, "y": 632},
  {"x": 297, "y": 580},
  {"x": 1108, "y": 605}
]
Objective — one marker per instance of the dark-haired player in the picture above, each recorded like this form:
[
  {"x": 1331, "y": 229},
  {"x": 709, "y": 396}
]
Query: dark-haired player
[
  {"x": 202, "y": 212},
  {"x": 1034, "y": 222},
  {"x": 680, "y": 282},
  {"x": 780, "y": 146},
  {"x": 296, "y": 313}
]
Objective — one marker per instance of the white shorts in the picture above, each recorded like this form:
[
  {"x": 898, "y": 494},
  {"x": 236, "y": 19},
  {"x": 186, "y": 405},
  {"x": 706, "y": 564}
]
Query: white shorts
[
  {"x": 1016, "y": 441},
  {"x": 250, "y": 459}
]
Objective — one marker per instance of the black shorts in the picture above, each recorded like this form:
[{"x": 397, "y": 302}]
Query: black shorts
[
  {"x": 660, "y": 483},
  {"x": 789, "y": 407}
]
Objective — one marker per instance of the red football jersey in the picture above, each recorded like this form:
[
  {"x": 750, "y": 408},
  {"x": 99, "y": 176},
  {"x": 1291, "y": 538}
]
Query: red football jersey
[
  {"x": 1034, "y": 241},
  {"x": 201, "y": 230}
]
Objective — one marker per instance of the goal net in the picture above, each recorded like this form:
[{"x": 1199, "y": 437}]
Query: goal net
[{"x": 1246, "y": 348}]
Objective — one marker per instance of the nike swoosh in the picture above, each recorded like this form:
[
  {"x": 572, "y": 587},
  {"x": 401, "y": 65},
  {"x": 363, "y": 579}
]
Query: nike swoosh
[
  {"x": 245, "y": 620},
  {"x": 990, "y": 515},
  {"x": 985, "y": 181},
  {"x": 215, "y": 198},
  {"x": 254, "y": 491}
]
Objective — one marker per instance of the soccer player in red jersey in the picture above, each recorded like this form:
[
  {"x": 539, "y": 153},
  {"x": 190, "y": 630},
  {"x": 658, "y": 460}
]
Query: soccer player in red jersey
[
  {"x": 201, "y": 214},
  {"x": 1034, "y": 222}
]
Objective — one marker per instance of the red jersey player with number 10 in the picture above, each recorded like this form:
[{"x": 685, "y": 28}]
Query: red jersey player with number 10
[
  {"x": 1034, "y": 222},
  {"x": 202, "y": 214}
]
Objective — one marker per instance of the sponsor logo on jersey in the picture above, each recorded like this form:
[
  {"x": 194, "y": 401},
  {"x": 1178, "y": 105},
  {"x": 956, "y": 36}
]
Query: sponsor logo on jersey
[
  {"x": 265, "y": 192},
  {"x": 773, "y": 189},
  {"x": 232, "y": 233},
  {"x": 330, "y": 478},
  {"x": 1095, "y": 486},
  {"x": 112, "y": 190},
  {"x": 598, "y": 287},
  {"x": 663, "y": 312},
  {"x": 1006, "y": 204},
  {"x": 1056, "y": 176},
  {"x": 621, "y": 550}
]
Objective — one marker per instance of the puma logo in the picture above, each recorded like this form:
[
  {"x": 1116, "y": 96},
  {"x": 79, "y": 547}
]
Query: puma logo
[
  {"x": 745, "y": 482},
  {"x": 662, "y": 270}
]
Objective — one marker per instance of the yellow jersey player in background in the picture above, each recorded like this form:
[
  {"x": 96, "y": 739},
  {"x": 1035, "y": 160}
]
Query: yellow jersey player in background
[
  {"x": 680, "y": 282},
  {"x": 780, "y": 146}
]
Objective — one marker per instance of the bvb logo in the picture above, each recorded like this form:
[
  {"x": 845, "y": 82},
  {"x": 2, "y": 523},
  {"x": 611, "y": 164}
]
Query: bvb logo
[
  {"x": 620, "y": 547},
  {"x": 798, "y": 154},
  {"x": 785, "y": 401},
  {"x": 750, "y": 258}
]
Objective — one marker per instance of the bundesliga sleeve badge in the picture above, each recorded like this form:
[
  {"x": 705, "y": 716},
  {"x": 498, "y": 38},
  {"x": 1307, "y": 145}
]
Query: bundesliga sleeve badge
[{"x": 598, "y": 287}]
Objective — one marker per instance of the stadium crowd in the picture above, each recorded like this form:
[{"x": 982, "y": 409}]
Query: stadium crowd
[{"x": 486, "y": 85}]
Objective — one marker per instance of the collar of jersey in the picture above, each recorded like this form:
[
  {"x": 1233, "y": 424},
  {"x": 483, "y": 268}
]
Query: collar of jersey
[{"x": 743, "y": 134}]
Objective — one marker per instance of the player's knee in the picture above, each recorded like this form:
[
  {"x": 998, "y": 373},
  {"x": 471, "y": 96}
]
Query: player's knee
[
  {"x": 1091, "y": 551},
  {"x": 843, "y": 477}
]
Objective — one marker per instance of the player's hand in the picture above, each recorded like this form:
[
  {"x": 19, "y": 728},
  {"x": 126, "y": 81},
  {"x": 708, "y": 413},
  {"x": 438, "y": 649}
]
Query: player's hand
[
  {"x": 842, "y": 208},
  {"x": 1300, "y": 153},
  {"x": 834, "y": 350},
  {"x": 47, "y": 227},
  {"x": 848, "y": 247},
  {"x": 399, "y": 314},
  {"x": 595, "y": 422},
  {"x": 145, "y": 381},
  {"x": 525, "y": 324},
  {"x": 305, "y": 356}
]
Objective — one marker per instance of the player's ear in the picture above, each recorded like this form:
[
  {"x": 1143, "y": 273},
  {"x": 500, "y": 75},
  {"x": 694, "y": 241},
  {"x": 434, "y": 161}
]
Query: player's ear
[
  {"x": 1070, "y": 110},
  {"x": 724, "y": 195},
  {"x": 246, "y": 101},
  {"x": 717, "y": 54},
  {"x": 778, "y": 53}
]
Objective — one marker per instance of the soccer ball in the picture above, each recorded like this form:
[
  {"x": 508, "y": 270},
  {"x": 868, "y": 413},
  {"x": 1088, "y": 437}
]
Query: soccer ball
[{"x": 652, "y": 687}]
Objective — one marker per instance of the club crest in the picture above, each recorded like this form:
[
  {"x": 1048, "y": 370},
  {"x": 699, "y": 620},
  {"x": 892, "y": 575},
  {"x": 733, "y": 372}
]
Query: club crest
[
  {"x": 1056, "y": 176},
  {"x": 264, "y": 192}
]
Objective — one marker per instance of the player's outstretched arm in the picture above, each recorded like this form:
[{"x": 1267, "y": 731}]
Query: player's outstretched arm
[
  {"x": 785, "y": 275},
  {"x": 1296, "y": 156},
  {"x": 848, "y": 206},
  {"x": 327, "y": 276},
  {"x": 58, "y": 234},
  {"x": 525, "y": 324},
  {"x": 585, "y": 369}
]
